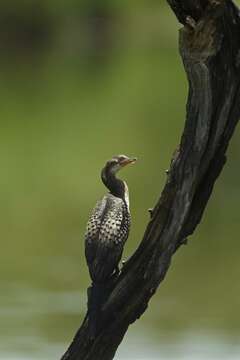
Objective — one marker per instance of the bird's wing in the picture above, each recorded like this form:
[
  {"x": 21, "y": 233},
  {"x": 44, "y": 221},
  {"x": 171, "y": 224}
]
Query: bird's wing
[
  {"x": 115, "y": 224},
  {"x": 93, "y": 228},
  {"x": 107, "y": 231}
]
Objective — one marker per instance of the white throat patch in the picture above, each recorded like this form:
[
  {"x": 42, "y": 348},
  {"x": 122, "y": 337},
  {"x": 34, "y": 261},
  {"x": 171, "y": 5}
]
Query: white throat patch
[{"x": 126, "y": 194}]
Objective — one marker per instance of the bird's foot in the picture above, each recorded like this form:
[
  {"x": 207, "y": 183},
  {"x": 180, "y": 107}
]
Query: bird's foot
[
  {"x": 190, "y": 22},
  {"x": 114, "y": 277}
]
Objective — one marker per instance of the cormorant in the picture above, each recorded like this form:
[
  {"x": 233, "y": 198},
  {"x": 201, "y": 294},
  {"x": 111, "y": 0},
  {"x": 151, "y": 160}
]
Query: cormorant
[{"x": 107, "y": 232}]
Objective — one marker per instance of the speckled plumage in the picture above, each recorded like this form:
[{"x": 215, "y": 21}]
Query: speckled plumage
[{"x": 107, "y": 231}]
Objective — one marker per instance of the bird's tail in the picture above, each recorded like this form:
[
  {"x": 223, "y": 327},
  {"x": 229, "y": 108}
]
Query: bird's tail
[{"x": 96, "y": 296}]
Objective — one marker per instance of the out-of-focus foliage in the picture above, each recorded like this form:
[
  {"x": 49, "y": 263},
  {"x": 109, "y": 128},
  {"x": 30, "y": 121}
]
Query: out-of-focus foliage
[{"x": 79, "y": 83}]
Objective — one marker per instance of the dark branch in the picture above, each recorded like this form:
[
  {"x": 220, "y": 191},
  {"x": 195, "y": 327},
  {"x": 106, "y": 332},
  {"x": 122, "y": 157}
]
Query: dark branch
[{"x": 210, "y": 49}]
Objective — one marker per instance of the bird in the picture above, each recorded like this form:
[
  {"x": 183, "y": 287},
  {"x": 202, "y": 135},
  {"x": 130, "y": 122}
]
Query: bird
[{"x": 107, "y": 231}]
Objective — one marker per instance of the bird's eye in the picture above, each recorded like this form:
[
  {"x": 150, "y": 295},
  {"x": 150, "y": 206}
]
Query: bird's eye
[
  {"x": 113, "y": 162},
  {"x": 122, "y": 158}
]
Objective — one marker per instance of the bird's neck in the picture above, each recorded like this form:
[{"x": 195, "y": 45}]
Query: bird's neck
[{"x": 117, "y": 187}]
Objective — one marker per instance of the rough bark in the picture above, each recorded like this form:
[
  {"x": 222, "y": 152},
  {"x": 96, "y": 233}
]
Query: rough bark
[{"x": 210, "y": 49}]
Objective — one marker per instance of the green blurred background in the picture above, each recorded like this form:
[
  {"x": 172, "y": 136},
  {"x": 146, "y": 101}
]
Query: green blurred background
[{"x": 80, "y": 82}]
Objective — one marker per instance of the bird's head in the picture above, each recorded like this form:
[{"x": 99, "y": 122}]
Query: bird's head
[
  {"x": 116, "y": 163},
  {"x": 112, "y": 166}
]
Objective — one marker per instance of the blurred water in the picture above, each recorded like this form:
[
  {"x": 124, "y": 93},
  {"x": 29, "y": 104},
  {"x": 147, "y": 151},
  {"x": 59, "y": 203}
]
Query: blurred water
[
  {"x": 192, "y": 347},
  {"x": 26, "y": 340}
]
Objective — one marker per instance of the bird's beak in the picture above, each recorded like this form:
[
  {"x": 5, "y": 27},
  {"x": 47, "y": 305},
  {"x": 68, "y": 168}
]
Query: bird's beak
[{"x": 128, "y": 161}]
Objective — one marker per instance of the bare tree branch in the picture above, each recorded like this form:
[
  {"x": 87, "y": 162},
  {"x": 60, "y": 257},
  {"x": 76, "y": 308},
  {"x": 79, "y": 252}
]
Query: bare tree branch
[{"x": 210, "y": 49}]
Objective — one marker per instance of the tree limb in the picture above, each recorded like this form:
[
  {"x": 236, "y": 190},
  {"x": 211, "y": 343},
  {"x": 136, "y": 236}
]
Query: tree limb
[{"x": 210, "y": 49}]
